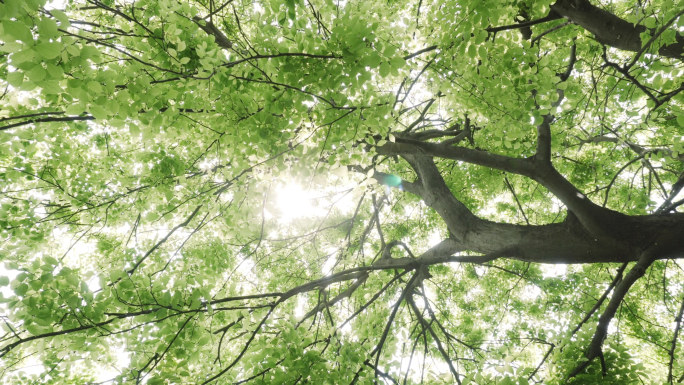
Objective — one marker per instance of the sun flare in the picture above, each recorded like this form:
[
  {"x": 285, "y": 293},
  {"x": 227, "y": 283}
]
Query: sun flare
[{"x": 295, "y": 202}]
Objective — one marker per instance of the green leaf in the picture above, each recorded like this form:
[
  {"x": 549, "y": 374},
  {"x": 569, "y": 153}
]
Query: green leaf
[
  {"x": 384, "y": 69},
  {"x": 389, "y": 51},
  {"x": 98, "y": 112},
  {"x": 74, "y": 109},
  {"x": 21, "y": 289},
  {"x": 397, "y": 62},
  {"x": 17, "y": 30},
  {"x": 372, "y": 60},
  {"x": 15, "y": 78},
  {"x": 49, "y": 50},
  {"x": 34, "y": 329},
  {"x": 89, "y": 52},
  {"x": 54, "y": 71},
  {"x": 61, "y": 17},
  {"x": 37, "y": 74},
  {"x": 47, "y": 28},
  {"x": 472, "y": 51}
]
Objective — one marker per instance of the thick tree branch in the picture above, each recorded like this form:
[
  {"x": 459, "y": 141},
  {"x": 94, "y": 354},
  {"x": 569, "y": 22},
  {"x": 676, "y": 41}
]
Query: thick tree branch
[
  {"x": 611, "y": 30},
  {"x": 654, "y": 36},
  {"x": 209, "y": 27},
  {"x": 596, "y": 219},
  {"x": 544, "y": 139},
  {"x": 667, "y": 205},
  {"x": 595, "y": 233},
  {"x": 482, "y": 158}
]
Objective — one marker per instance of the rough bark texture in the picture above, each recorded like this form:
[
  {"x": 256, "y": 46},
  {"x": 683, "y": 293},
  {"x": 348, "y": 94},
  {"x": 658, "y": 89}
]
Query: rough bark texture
[
  {"x": 610, "y": 29},
  {"x": 589, "y": 234}
]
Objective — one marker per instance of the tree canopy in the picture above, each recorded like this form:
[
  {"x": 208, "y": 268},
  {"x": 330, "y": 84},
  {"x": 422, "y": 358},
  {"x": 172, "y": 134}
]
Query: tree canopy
[{"x": 341, "y": 192}]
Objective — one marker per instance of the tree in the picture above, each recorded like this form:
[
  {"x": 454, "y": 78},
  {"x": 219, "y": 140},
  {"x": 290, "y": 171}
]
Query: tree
[{"x": 341, "y": 192}]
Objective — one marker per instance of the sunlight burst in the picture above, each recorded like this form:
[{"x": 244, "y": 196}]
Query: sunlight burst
[{"x": 294, "y": 202}]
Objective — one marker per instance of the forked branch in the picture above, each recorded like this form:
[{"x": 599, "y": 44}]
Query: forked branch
[{"x": 595, "y": 348}]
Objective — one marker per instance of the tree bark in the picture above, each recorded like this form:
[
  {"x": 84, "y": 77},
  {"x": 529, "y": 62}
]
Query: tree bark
[
  {"x": 612, "y": 30},
  {"x": 623, "y": 240}
]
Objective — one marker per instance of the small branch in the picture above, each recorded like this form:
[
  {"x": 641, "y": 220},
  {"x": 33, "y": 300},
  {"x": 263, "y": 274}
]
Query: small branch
[
  {"x": 510, "y": 188},
  {"x": 31, "y": 115},
  {"x": 421, "y": 117},
  {"x": 279, "y": 55},
  {"x": 219, "y": 9},
  {"x": 676, "y": 188},
  {"x": 548, "y": 31},
  {"x": 376, "y": 215},
  {"x": 629, "y": 77},
  {"x": 342, "y": 295},
  {"x": 435, "y": 338},
  {"x": 283, "y": 85},
  {"x": 543, "y": 153},
  {"x": 546, "y": 356},
  {"x": 406, "y": 292},
  {"x": 597, "y": 305},
  {"x": 650, "y": 41},
  {"x": 612, "y": 181},
  {"x": 673, "y": 346},
  {"x": 571, "y": 65},
  {"x": 414, "y": 81},
  {"x": 45, "y": 120},
  {"x": 244, "y": 348},
  {"x": 551, "y": 16},
  {"x": 594, "y": 350},
  {"x": 153, "y": 248},
  {"x": 420, "y": 52}
]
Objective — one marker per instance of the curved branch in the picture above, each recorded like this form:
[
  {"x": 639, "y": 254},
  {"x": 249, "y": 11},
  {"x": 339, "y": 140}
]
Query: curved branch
[
  {"x": 594, "y": 349},
  {"x": 598, "y": 220},
  {"x": 404, "y": 146}
]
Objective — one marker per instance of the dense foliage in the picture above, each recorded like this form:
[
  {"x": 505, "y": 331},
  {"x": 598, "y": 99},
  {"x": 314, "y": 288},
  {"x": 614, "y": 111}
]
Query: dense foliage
[{"x": 332, "y": 192}]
